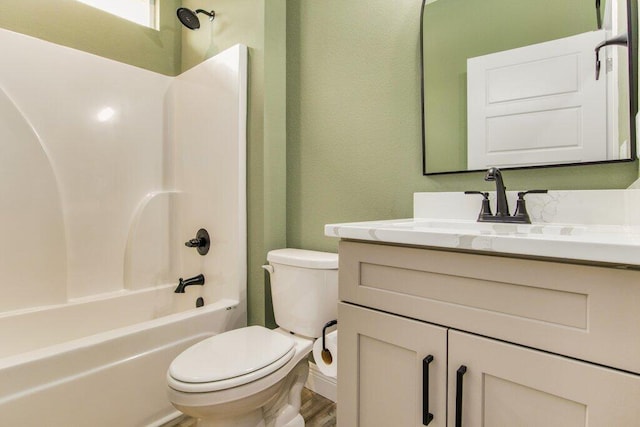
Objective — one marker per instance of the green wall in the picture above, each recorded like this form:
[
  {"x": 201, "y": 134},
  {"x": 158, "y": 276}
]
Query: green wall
[
  {"x": 353, "y": 121},
  {"x": 344, "y": 145}
]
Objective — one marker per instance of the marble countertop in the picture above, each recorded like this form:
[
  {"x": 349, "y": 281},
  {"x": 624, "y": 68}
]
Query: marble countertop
[{"x": 564, "y": 226}]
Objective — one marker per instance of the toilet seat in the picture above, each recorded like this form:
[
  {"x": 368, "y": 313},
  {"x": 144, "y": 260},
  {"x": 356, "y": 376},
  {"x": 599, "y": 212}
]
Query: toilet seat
[{"x": 230, "y": 359}]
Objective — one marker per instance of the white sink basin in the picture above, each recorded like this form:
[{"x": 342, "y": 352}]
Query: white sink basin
[{"x": 608, "y": 233}]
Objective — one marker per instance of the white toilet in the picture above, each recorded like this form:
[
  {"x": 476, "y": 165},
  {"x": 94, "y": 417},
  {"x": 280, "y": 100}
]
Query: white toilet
[{"x": 253, "y": 376}]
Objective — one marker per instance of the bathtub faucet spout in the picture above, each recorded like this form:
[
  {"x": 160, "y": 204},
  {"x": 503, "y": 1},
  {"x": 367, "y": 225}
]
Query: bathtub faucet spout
[{"x": 196, "y": 280}]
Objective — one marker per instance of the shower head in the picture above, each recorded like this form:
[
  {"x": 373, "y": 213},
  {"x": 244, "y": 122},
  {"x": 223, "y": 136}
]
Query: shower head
[{"x": 189, "y": 18}]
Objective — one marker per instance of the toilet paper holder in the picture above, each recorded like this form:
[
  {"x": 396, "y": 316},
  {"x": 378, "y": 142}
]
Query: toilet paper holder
[{"x": 326, "y": 354}]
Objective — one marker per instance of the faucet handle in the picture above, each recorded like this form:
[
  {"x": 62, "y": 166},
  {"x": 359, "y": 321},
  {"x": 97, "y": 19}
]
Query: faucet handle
[
  {"x": 521, "y": 208},
  {"x": 521, "y": 194},
  {"x": 484, "y": 194},
  {"x": 485, "y": 209}
]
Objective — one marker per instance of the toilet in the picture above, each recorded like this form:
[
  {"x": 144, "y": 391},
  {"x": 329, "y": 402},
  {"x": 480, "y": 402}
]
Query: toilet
[{"x": 253, "y": 376}]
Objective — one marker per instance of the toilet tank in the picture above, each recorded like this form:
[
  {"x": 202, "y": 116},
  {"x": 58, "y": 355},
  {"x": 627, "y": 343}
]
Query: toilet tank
[{"x": 304, "y": 289}]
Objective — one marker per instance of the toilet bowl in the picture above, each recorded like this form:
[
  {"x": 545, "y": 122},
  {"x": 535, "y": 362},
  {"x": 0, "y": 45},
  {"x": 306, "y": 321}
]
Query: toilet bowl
[{"x": 253, "y": 376}]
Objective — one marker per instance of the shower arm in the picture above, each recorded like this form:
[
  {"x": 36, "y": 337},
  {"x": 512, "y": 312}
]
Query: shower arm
[{"x": 211, "y": 14}]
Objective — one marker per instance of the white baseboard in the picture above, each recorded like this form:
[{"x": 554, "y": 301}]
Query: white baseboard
[
  {"x": 322, "y": 384},
  {"x": 167, "y": 420}
]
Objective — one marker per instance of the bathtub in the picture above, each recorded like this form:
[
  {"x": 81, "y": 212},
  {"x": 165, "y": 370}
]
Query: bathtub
[{"x": 105, "y": 364}]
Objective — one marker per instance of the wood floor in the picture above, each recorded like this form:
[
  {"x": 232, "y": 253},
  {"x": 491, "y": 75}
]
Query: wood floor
[{"x": 316, "y": 410}]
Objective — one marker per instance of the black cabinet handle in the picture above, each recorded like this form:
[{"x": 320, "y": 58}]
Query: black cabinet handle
[
  {"x": 461, "y": 371},
  {"x": 426, "y": 415}
]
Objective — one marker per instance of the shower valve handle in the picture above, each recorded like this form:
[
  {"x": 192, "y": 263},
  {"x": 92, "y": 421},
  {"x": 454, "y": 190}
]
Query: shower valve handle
[
  {"x": 201, "y": 242},
  {"x": 195, "y": 243}
]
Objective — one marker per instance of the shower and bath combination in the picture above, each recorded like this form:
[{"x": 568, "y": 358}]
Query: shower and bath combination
[{"x": 189, "y": 18}]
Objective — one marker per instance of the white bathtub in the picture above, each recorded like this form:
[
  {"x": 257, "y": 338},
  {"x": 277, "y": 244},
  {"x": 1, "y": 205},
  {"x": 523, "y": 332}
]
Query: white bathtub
[{"x": 100, "y": 362}]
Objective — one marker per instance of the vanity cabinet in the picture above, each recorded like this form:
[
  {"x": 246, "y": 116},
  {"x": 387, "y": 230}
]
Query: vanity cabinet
[
  {"x": 381, "y": 367},
  {"x": 543, "y": 343}
]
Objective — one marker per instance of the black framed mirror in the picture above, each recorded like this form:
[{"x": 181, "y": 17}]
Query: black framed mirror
[{"x": 534, "y": 100}]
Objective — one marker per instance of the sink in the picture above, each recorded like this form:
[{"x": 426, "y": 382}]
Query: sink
[{"x": 600, "y": 226}]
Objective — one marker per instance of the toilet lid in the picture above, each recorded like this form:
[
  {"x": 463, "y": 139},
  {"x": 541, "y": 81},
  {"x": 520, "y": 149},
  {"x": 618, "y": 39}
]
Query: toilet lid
[{"x": 232, "y": 354}]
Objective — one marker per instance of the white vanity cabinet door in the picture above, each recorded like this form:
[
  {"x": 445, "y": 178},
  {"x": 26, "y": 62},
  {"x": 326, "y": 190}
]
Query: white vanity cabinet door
[
  {"x": 380, "y": 367},
  {"x": 508, "y": 385}
]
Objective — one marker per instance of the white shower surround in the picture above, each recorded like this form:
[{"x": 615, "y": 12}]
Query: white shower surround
[{"x": 94, "y": 213}]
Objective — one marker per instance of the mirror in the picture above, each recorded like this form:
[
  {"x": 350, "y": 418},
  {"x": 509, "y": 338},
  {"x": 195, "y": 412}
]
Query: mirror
[{"x": 484, "y": 62}]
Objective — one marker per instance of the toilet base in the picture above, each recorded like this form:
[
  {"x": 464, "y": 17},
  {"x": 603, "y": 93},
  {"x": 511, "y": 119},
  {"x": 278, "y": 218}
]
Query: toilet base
[
  {"x": 252, "y": 419},
  {"x": 280, "y": 405},
  {"x": 241, "y": 413},
  {"x": 284, "y": 411}
]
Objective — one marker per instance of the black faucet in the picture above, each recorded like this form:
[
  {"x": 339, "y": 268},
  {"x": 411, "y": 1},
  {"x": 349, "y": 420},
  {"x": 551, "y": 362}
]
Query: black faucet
[
  {"x": 520, "y": 216},
  {"x": 502, "y": 207},
  {"x": 195, "y": 280}
]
